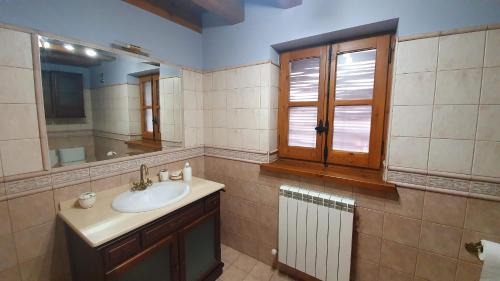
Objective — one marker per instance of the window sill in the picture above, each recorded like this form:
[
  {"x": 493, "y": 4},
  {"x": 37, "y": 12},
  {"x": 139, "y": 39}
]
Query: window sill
[{"x": 370, "y": 179}]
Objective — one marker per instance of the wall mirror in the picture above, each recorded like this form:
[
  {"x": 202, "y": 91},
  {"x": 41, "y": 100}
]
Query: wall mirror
[{"x": 101, "y": 104}]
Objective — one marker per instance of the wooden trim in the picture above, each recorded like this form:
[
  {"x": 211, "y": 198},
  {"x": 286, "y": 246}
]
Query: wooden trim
[
  {"x": 359, "y": 177},
  {"x": 42, "y": 125},
  {"x": 372, "y": 159},
  {"x": 284, "y": 103},
  {"x": 233, "y": 11},
  {"x": 145, "y": 5}
]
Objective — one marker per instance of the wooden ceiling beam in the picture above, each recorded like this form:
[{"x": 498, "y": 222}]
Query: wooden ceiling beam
[
  {"x": 233, "y": 11},
  {"x": 145, "y": 5},
  {"x": 285, "y": 4}
]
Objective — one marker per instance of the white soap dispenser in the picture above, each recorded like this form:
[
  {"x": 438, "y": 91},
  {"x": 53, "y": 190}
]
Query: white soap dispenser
[{"x": 187, "y": 172}]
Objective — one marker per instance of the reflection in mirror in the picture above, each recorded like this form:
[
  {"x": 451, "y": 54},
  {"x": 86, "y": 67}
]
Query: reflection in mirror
[{"x": 101, "y": 105}]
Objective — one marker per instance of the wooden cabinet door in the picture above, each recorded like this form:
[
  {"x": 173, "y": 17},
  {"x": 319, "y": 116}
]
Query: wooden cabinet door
[
  {"x": 68, "y": 94},
  {"x": 199, "y": 248},
  {"x": 160, "y": 262}
]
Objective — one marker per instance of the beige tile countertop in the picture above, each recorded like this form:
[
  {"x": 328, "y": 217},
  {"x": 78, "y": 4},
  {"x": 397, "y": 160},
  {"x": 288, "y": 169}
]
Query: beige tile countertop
[{"x": 102, "y": 223}]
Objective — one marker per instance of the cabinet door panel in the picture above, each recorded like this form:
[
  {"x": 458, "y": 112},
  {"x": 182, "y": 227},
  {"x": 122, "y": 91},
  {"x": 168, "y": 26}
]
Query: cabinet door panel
[
  {"x": 156, "y": 263},
  {"x": 200, "y": 247}
]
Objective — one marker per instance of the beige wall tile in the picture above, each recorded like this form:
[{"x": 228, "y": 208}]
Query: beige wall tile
[
  {"x": 444, "y": 209},
  {"x": 8, "y": 256},
  {"x": 458, "y": 51},
  {"x": 369, "y": 221},
  {"x": 70, "y": 192},
  {"x": 492, "y": 53},
  {"x": 21, "y": 156},
  {"x": 468, "y": 272},
  {"x": 367, "y": 247},
  {"x": 414, "y": 88},
  {"x": 411, "y": 121},
  {"x": 401, "y": 156},
  {"x": 491, "y": 83},
  {"x": 364, "y": 270},
  {"x": 435, "y": 268},
  {"x": 18, "y": 121},
  {"x": 417, "y": 55},
  {"x": 458, "y": 86},
  {"x": 18, "y": 85},
  {"x": 35, "y": 241},
  {"x": 32, "y": 210},
  {"x": 11, "y": 274},
  {"x": 398, "y": 257},
  {"x": 454, "y": 121},
  {"x": 406, "y": 202},
  {"x": 5, "y": 227},
  {"x": 448, "y": 155},
  {"x": 402, "y": 230},
  {"x": 393, "y": 275},
  {"x": 105, "y": 183},
  {"x": 440, "y": 239},
  {"x": 17, "y": 52},
  {"x": 486, "y": 159},
  {"x": 483, "y": 216},
  {"x": 487, "y": 124}
]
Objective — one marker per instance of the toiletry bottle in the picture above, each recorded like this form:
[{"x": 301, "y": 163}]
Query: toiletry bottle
[{"x": 187, "y": 172}]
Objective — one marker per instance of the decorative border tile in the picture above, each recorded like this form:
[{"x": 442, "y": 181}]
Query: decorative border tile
[
  {"x": 405, "y": 177},
  {"x": 28, "y": 184},
  {"x": 486, "y": 188},
  {"x": 448, "y": 183},
  {"x": 72, "y": 176},
  {"x": 245, "y": 156}
]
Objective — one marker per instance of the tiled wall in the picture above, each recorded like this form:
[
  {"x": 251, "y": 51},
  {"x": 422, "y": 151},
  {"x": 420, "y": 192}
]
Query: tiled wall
[
  {"x": 116, "y": 109},
  {"x": 240, "y": 108},
  {"x": 447, "y": 105},
  {"x": 193, "y": 108},
  {"x": 171, "y": 109},
  {"x": 408, "y": 235},
  {"x": 19, "y": 138}
]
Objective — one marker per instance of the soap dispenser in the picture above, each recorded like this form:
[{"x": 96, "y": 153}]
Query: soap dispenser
[{"x": 187, "y": 172}]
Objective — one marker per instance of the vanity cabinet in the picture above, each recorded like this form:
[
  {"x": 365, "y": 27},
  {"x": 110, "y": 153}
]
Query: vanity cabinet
[{"x": 181, "y": 246}]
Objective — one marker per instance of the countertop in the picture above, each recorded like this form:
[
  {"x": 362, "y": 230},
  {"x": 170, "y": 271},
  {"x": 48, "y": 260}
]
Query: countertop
[{"x": 101, "y": 223}]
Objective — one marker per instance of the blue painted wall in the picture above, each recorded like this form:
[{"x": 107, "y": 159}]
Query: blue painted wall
[
  {"x": 250, "y": 41},
  {"x": 104, "y": 22}
]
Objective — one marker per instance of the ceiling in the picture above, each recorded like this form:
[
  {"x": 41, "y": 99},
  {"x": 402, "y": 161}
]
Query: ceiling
[{"x": 189, "y": 12}]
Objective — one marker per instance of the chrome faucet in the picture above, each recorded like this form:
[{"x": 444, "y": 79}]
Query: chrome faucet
[{"x": 142, "y": 184}]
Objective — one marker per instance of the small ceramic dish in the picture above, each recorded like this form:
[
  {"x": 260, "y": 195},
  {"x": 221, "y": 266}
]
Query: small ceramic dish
[
  {"x": 87, "y": 199},
  {"x": 175, "y": 176}
]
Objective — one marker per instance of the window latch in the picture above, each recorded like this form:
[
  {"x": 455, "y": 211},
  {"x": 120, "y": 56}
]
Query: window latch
[{"x": 321, "y": 128}]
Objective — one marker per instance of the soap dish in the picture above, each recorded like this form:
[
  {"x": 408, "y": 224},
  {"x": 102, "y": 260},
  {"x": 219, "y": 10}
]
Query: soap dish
[{"x": 175, "y": 176}]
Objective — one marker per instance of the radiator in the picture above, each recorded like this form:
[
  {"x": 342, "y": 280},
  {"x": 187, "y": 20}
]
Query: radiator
[{"x": 315, "y": 233}]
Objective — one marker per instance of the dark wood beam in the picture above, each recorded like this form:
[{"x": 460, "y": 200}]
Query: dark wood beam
[
  {"x": 232, "y": 11},
  {"x": 285, "y": 4},
  {"x": 193, "y": 24}
]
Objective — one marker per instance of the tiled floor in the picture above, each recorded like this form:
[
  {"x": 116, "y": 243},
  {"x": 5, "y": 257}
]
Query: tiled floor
[{"x": 240, "y": 267}]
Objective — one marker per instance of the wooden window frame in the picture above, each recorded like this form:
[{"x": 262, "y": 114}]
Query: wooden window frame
[
  {"x": 303, "y": 153},
  {"x": 372, "y": 159},
  {"x": 323, "y": 152},
  {"x": 155, "y": 107}
]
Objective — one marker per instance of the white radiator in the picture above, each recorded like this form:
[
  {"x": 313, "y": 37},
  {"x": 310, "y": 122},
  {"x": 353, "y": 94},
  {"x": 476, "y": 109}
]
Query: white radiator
[{"x": 315, "y": 233}]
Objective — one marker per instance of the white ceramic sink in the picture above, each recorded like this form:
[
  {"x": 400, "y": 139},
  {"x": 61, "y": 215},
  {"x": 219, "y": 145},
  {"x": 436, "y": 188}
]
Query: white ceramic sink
[{"x": 154, "y": 197}]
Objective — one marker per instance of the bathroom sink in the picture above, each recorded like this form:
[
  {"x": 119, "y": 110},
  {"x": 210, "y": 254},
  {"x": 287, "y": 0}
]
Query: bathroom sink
[{"x": 154, "y": 197}]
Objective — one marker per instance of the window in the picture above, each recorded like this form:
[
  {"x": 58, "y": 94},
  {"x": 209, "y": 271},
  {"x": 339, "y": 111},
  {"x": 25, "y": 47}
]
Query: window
[
  {"x": 332, "y": 102},
  {"x": 150, "y": 107}
]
